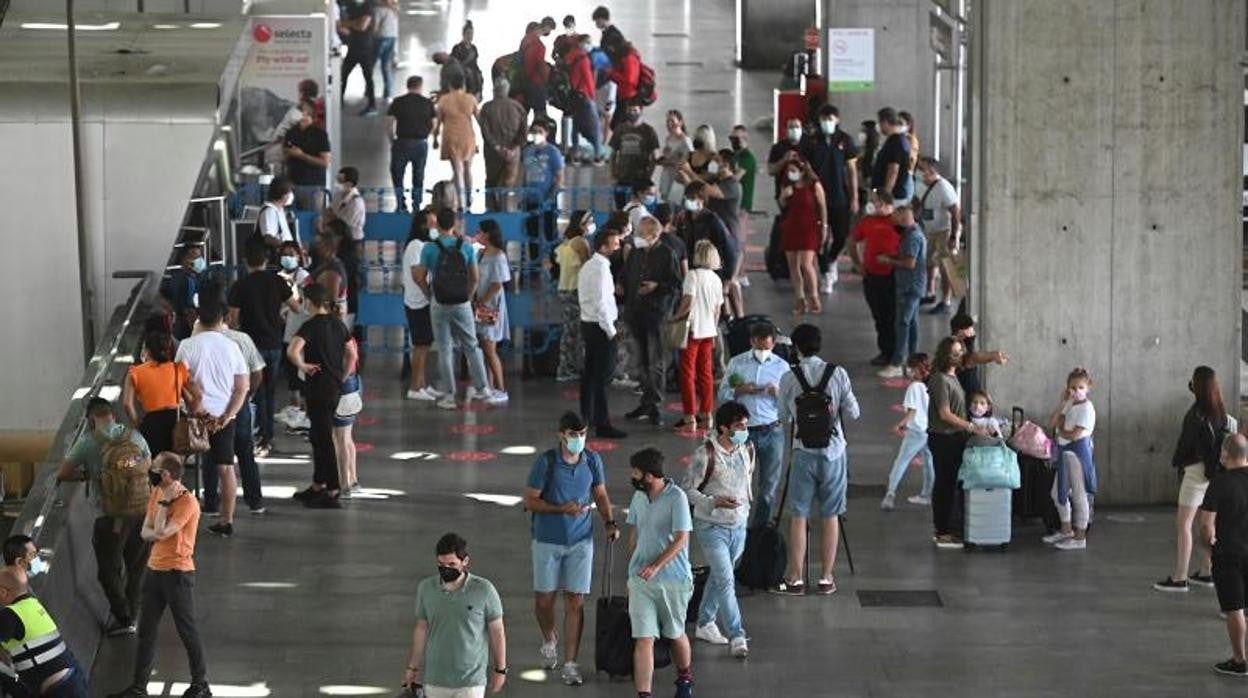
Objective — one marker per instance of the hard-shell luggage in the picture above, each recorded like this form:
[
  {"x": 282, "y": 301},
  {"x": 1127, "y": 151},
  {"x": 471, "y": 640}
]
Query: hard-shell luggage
[
  {"x": 1033, "y": 500},
  {"x": 613, "y": 632},
  {"x": 701, "y": 574},
  {"x": 988, "y": 517},
  {"x": 773, "y": 256}
]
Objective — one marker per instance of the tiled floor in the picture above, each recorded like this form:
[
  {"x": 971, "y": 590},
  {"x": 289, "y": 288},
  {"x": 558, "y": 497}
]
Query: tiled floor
[{"x": 300, "y": 601}]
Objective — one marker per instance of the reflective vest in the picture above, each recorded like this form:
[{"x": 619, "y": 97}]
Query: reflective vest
[{"x": 41, "y": 643}]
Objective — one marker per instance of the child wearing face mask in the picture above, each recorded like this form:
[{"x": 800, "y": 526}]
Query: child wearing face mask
[
  {"x": 913, "y": 432},
  {"x": 293, "y": 270},
  {"x": 1074, "y": 420},
  {"x": 979, "y": 405}
]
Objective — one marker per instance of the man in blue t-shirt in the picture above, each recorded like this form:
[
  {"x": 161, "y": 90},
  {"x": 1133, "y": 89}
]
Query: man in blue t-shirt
[
  {"x": 909, "y": 280},
  {"x": 542, "y": 165},
  {"x": 562, "y": 485}
]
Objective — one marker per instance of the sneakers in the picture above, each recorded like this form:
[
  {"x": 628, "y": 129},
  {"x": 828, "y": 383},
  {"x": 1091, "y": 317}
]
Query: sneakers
[
  {"x": 887, "y": 503},
  {"x": 1201, "y": 580},
  {"x": 827, "y": 285},
  {"x": 120, "y": 627},
  {"x": 571, "y": 674},
  {"x": 710, "y": 633},
  {"x": 947, "y": 542},
  {"x": 927, "y": 300},
  {"x": 262, "y": 450},
  {"x": 740, "y": 648},
  {"x": 890, "y": 372},
  {"x": 482, "y": 394},
  {"x": 550, "y": 654},
  {"x": 684, "y": 688},
  {"x": 300, "y": 422},
  {"x": 1170, "y": 585},
  {"x": 323, "y": 500},
  {"x": 370, "y": 110},
  {"x": 919, "y": 499},
  {"x": 1231, "y": 668},
  {"x": 197, "y": 690},
  {"x": 826, "y": 587},
  {"x": 307, "y": 493},
  {"x": 1071, "y": 544},
  {"x": 425, "y": 394},
  {"x": 259, "y": 511},
  {"x": 1056, "y": 537},
  {"x": 448, "y": 403},
  {"x": 880, "y": 360},
  {"x": 624, "y": 382},
  {"x": 797, "y": 588},
  {"x": 225, "y": 530},
  {"x": 288, "y": 414},
  {"x": 941, "y": 308},
  {"x": 497, "y": 397}
]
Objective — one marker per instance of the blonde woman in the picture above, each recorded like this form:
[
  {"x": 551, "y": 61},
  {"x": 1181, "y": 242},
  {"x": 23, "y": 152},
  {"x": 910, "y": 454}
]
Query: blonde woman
[
  {"x": 702, "y": 302},
  {"x": 703, "y": 149}
]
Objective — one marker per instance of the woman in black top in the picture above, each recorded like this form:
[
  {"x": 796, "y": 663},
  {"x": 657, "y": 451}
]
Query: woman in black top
[
  {"x": 1196, "y": 456},
  {"x": 947, "y": 430},
  {"x": 466, "y": 53},
  {"x": 322, "y": 350}
]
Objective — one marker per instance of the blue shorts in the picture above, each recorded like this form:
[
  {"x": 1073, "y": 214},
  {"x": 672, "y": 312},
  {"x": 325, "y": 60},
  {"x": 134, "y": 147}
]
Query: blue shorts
[
  {"x": 814, "y": 476},
  {"x": 563, "y": 567},
  {"x": 658, "y": 609}
]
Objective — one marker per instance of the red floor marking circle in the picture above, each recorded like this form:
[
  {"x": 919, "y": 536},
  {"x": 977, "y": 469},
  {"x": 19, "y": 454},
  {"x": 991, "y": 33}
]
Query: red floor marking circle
[
  {"x": 897, "y": 408},
  {"x": 363, "y": 447},
  {"x": 674, "y": 407},
  {"x": 571, "y": 394},
  {"x": 691, "y": 434},
  {"x": 755, "y": 249},
  {"x": 367, "y": 420},
  {"x": 603, "y": 445},
  {"x": 755, "y": 266},
  {"x": 898, "y": 383},
  {"x": 479, "y": 429},
  {"x": 471, "y": 456},
  {"x": 849, "y": 276}
]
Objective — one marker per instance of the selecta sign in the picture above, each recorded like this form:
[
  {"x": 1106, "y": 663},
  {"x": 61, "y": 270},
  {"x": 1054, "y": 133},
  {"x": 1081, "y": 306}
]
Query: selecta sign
[{"x": 263, "y": 34}]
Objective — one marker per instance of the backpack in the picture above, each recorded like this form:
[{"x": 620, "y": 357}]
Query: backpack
[
  {"x": 450, "y": 275},
  {"x": 647, "y": 91},
  {"x": 814, "y": 420},
  {"x": 559, "y": 88},
  {"x": 124, "y": 488},
  {"x": 510, "y": 66}
]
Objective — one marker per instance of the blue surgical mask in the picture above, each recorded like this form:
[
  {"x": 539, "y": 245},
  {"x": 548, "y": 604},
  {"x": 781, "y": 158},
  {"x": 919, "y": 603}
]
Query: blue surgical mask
[
  {"x": 290, "y": 263},
  {"x": 433, "y": 234},
  {"x": 38, "y": 566},
  {"x": 199, "y": 265},
  {"x": 576, "y": 444},
  {"x": 650, "y": 199},
  {"x": 112, "y": 430},
  {"x": 740, "y": 436}
]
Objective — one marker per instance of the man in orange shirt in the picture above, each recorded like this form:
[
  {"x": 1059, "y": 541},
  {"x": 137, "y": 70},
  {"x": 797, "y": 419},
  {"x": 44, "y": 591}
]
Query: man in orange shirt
[
  {"x": 170, "y": 525},
  {"x": 875, "y": 234}
]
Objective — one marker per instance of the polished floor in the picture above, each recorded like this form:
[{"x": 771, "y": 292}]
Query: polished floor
[{"x": 305, "y": 603}]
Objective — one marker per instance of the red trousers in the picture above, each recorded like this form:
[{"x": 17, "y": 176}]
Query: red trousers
[{"x": 697, "y": 377}]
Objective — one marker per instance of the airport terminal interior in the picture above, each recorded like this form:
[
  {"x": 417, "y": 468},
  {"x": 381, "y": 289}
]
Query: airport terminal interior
[{"x": 1091, "y": 149}]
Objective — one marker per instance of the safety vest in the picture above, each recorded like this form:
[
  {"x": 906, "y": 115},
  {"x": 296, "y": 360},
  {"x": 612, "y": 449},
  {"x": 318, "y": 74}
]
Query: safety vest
[{"x": 41, "y": 643}]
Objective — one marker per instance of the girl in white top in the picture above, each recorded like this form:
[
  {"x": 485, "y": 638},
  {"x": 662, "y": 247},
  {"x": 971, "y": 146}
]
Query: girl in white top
[
  {"x": 701, "y": 302},
  {"x": 293, "y": 271},
  {"x": 913, "y": 432},
  {"x": 979, "y": 406},
  {"x": 1074, "y": 420}
]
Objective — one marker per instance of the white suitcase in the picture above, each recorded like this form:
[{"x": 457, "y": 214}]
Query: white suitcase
[{"x": 988, "y": 520}]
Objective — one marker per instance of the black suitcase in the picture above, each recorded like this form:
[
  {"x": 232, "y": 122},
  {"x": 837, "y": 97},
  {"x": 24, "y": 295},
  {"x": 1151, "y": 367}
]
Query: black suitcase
[
  {"x": 737, "y": 336},
  {"x": 701, "y": 573},
  {"x": 764, "y": 558},
  {"x": 1033, "y": 500},
  {"x": 613, "y": 632},
  {"x": 773, "y": 257}
]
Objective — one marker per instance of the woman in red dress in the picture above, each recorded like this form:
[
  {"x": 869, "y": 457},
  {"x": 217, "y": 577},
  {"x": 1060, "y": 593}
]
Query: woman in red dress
[{"x": 803, "y": 232}]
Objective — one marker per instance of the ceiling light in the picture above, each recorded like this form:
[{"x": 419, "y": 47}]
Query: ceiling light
[{"x": 111, "y": 26}]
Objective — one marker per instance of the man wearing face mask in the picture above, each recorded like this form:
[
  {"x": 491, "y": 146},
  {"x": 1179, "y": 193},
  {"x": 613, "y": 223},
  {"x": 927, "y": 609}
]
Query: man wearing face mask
[
  {"x": 307, "y": 159},
  {"x": 909, "y": 279},
  {"x": 660, "y": 581},
  {"x": 652, "y": 282},
  {"x": 43, "y": 662},
  {"x": 642, "y": 201},
  {"x": 562, "y": 484},
  {"x": 180, "y": 287},
  {"x": 962, "y": 328},
  {"x": 542, "y": 164},
  {"x": 746, "y": 162},
  {"x": 783, "y": 152},
  {"x": 596, "y": 294},
  {"x": 753, "y": 379},
  {"x": 120, "y": 553},
  {"x": 832, "y": 155},
  {"x": 170, "y": 525},
  {"x": 718, "y": 486},
  {"x": 272, "y": 226},
  {"x": 346, "y": 204},
  {"x": 459, "y": 644},
  {"x": 891, "y": 164},
  {"x": 20, "y": 554},
  {"x": 696, "y": 223},
  {"x": 634, "y": 152}
]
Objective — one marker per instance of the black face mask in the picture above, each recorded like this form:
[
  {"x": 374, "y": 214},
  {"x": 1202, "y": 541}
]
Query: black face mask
[
  {"x": 639, "y": 484},
  {"x": 901, "y": 229},
  {"x": 969, "y": 344},
  {"x": 735, "y": 141},
  {"x": 698, "y": 144},
  {"x": 448, "y": 574},
  {"x": 155, "y": 477}
]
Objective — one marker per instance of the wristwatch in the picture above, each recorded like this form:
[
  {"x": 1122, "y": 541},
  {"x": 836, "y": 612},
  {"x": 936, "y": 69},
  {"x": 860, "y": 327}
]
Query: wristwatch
[{"x": 500, "y": 670}]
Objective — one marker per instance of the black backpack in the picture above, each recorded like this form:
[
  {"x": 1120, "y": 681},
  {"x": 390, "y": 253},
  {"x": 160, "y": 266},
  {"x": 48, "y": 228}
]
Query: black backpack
[
  {"x": 450, "y": 275},
  {"x": 815, "y": 423}
]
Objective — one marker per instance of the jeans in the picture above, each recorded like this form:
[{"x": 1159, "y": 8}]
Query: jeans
[
  {"x": 722, "y": 547},
  {"x": 599, "y": 358},
  {"x": 176, "y": 590},
  {"x": 946, "y": 452},
  {"x": 907, "y": 326},
  {"x": 881, "y": 300},
  {"x": 120, "y": 559},
  {"x": 651, "y": 362},
  {"x": 912, "y": 444},
  {"x": 454, "y": 327},
  {"x": 585, "y": 120},
  {"x": 248, "y": 471},
  {"x": 402, "y": 152},
  {"x": 385, "y": 56},
  {"x": 768, "y": 444},
  {"x": 265, "y": 398},
  {"x": 697, "y": 379},
  {"x": 74, "y": 685}
]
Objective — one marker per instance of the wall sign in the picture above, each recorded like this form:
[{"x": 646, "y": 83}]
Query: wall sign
[{"x": 851, "y": 60}]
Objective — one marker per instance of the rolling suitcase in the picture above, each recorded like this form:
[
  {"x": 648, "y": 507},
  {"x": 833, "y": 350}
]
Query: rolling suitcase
[
  {"x": 613, "y": 632},
  {"x": 987, "y": 518},
  {"x": 773, "y": 256},
  {"x": 701, "y": 574},
  {"x": 1033, "y": 499}
]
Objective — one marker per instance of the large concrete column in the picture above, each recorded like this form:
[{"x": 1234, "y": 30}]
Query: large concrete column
[
  {"x": 1107, "y": 231},
  {"x": 769, "y": 31}
]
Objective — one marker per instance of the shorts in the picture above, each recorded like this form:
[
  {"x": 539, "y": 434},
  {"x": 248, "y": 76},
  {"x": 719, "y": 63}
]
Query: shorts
[
  {"x": 221, "y": 445},
  {"x": 469, "y": 692},
  {"x": 814, "y": 476},
  {"x": 563, "y": 567},
  {"x": 1230, "y": 578},
  {"x": 1192, "y": 489},
  {"x": 420, "y": 326},
  {"x": 658, "y": 609},
  {"x": 937, "y": 246}
]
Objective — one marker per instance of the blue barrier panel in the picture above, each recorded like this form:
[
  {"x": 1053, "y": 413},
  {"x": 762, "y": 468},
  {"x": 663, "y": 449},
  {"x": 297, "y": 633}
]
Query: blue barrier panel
[
  {"x": 306, "y": 221},
  {"x": 387, "y": 226},
  {"x": 381, "y": 309}
]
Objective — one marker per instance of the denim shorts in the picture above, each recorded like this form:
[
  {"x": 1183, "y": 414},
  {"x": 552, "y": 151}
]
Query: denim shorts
[
  {"x": 658, "y": 609},
  {"x": 563, "y": 567},
  {"x": 816, "y": 477}
]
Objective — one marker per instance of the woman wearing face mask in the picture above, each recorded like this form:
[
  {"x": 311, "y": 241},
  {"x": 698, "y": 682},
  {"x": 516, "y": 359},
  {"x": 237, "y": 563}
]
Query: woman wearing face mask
[
  {"x": 676, "y": 149},
  {"x": 702, "y": 302},
  {"x": 1196, "y": 457},
  {"x": 704, "y": 149},
  {"x": 718, "y": 487},
  {"x": 158, "y": 386},
  {"x": 948, "y": 427},
  {"x": 491, "y": 306},
  {"x": 181, "y": 286},
  {"x": 573, "y": 252},
  {"x": 803, "y": 231}
]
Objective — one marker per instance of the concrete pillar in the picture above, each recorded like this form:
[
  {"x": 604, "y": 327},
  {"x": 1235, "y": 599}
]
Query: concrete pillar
[
  {"x": 1107, "y": 229},
  {"x": 769, "y": 31}
]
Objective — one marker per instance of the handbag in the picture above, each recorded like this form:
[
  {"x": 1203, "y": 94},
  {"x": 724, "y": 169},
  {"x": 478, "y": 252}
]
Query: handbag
[
  {"x": 990, "y": 467},
  {"x": 350, "y": 403},
  {"x": 190, "y": 433},
  {"x": 1030, "y": 440},
  {"x": 678, "y": 333},
  {"x": 485, "y": 315}
]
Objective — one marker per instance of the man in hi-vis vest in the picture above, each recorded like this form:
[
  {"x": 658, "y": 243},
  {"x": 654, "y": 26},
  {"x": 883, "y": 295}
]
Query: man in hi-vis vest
[{"x": 43, "y": 662}]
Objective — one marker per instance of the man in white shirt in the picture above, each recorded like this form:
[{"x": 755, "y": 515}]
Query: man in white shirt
[
  {"x": 271, "y": 224},
  {"x": 942, "y": 222},
  {"x": 416, "y": 305},
  {"x": 347, "y": 205},
  {"x": 217, "y": 366},
  {"x": 596, "y": 293}
]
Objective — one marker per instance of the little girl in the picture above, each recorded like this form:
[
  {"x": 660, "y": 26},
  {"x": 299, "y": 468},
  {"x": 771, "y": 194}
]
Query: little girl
[
  {"x": 292, "y": 261},
  {"x": 1074, "y": 420},
  {"x": 913, "y": 431},
  {"x": 979, "y": 405}
]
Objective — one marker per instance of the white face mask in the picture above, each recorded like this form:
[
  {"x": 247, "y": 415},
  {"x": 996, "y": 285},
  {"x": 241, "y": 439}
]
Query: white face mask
[
  {"x": 794, "y": 175},
  {"x": 861, "y": 139},
  {"x": 693, "y": 205},
  {"x": 433, "y": 234},
  {"x": 829, "y": 126},
  {"x": 591, "y": 228},
  {"x": 640, "y": 243},
  {"x": 289, "y": 200},
  {"x": 870, "y": 208},
  {"x": 795, "y": 134},
  {"x": 38, "y": 566},
  {"x": 762, "y": 354},
  {"x": 712, "y": 167},
  {"x": 537, "y": 139}
]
